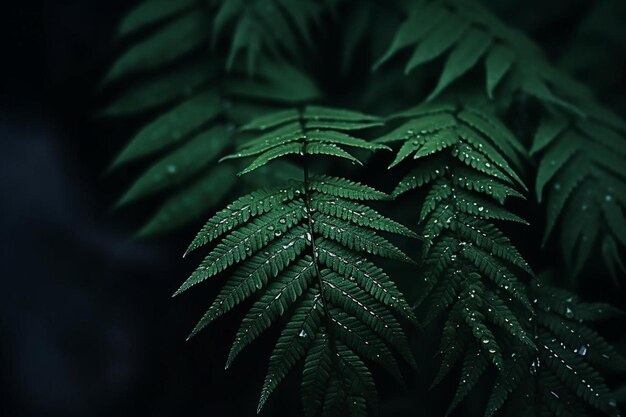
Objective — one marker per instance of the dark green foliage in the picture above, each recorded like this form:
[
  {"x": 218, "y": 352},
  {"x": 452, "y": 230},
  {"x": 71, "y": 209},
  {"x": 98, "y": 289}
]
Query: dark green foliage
[
  {"x": 470, "y": 35},
  {"x": 262, "y": 26},
  {"x": 470, "y": 267},
  {"x": 278, "y": 89},
  {"x": 304, "y": 246},
  {"x": 561, "y": 377},
  {"x": 574, "y": 124},
  {"x": 581, "y": 173},
  {"x": 196, "y": 117}
]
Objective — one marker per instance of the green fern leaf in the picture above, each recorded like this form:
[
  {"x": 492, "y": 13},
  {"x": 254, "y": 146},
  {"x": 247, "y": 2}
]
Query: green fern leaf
[
  {"x": 463, "y": 57},
  {"x": 435, "y": 43},
  {"x": 179, "y": 165},
  {"x": 497, "y": 64},
  {"x": 356, "y": 238},
  {"x": 360, "y": 338},
  {"x": 172, "y": 127},
  {"x": 278, "y": 297},
  {"x": 367, "y": 276},
  {"x": 268, "y": 231},
  {"x": 468, "y": 33},
  {"x": 343, "y": 188},
  {"x": 561, "y": 370},
  {"x": 361, "y": 215},
  {"x": 201, "y": 111},
  {"x": 470, "y": 267},
  {"x": 582, "y": 178}
]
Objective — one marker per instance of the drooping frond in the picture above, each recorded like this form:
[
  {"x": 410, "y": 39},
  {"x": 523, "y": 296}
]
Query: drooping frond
[
  {"x": 462, "y": 157},
  {"x": 470, "y": 35},
  {"x": 582, "y": 177},
  {"x": 563, "y": 374},
  {"x": 197, "y": 111},
  {"x": 303, "y": 247}
]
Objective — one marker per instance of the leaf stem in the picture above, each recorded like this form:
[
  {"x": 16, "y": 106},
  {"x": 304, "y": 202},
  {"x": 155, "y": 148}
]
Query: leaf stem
[{"x": 309, "y": 216}]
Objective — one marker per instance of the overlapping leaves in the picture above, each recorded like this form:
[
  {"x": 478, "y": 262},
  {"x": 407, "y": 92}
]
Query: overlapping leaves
[
  {"x": 562, "y": 377},
  {"x": 259, "y": 29},
  {"x": 582, "y": 174},
  {"x": 264, "y": 27},
  {"x": 304, "y": 247},
  {"x": 471, "y": 35},
  {"x": 197, "y": 110},
  {"x": 461, "y": 156}
]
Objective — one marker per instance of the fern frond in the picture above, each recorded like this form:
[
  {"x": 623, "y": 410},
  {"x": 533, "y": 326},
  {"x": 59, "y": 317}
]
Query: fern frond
[
  {"x": 580, "y": 142},
  {"x": 465, "y": 159},
  {"x": 198, "y": 109},
  {"x": 562, "y": 369},
  {"x": 468, "y": 34},
  {"x": 582, "y": 174},
  {"x": 302, "y": 247}
]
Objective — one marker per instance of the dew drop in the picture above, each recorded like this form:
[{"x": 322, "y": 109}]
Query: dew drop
[
  {"x": 534, "y": 367},
  {"x": 582, "y": 351},
  {"x": 302, "y": 333}
]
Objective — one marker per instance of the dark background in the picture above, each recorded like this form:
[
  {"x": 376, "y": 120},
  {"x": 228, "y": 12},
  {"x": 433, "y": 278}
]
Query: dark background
[{"x": 87, "y": 325}]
